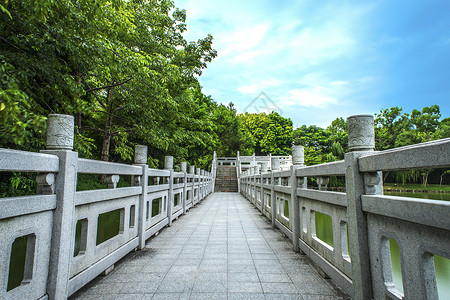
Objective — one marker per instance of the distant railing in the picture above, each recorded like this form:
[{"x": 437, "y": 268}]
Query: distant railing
[
  {"x": 66, "y": 244},
  {"x": 363, "y": 220}
]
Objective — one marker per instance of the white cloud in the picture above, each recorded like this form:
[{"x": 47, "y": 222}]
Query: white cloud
[
  {"x": 243, "y": 39},
  {"x": 308, "y": 97},
  {"x": 339, "y": 83},
  {"x": 249, "y": 89},
  {"x": 259, "y": 86}
]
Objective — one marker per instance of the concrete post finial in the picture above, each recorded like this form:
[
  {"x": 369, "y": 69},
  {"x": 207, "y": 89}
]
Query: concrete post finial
[
  {"x": 191, "y": 169},
  {"x": 361, "y": 133},
  {"x": 183, "y": 166},
  {"x": 257, "y": 169},
  {"x": 60, "y": 132},
  {"x": 140, "y": 154},
  {"x": 168, "y": 163},
  {"x": 298, "y": 155},
  {"x": 198, "y": 171},
  {"x": 264, "y": 167},
  {"x": 276, "y": 164}
]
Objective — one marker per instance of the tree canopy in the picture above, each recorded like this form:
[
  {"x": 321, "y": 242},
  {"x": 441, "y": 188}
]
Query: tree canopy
[{"x": 127, "y": 74}]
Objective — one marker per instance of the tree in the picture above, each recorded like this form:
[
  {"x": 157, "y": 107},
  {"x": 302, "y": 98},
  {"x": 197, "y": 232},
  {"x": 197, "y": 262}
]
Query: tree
[{"x": 271, "y": 133}]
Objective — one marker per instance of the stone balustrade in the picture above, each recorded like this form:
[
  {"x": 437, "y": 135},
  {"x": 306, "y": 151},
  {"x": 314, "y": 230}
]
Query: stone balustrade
[
  {"x": 363, "y": 219},
  {"x": 62, "y": 227}
]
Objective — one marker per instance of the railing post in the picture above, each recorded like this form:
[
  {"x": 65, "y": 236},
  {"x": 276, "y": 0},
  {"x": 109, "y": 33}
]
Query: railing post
[
  {"x": 197, "y": 170},
  {"x": 168, "y": 165},
  {"x": 183, "y": 167},
  {"x": 298, "y": 160},
  {"x": 361, "y": 139},
  {"x": 60, "y": 133},
  {"x": 192, "y": 171},
  {"x": 140, "y": 159},
  {"x": 275, "y": 166},
  {"x": 202, "y": 183},
  {"x": 264, "y": 169}
]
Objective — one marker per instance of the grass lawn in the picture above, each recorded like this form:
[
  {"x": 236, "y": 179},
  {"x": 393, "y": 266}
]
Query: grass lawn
[{"x": 417, "y": 186}]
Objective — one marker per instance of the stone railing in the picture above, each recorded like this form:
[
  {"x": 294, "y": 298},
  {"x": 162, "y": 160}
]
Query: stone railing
[
  {"x": 247, "y": 162},
  {"x": 61, "y": 228},
  {"x": 363, "y": 219}
]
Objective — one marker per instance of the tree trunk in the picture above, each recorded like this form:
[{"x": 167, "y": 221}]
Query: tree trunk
[
  {"x": 78, "y": 121},
  {"x": 106, "y": 143},
  {"x": 108, "y": 124}
]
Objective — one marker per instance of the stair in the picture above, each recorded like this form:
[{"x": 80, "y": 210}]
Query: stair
[{"x": 226, "y": 179}]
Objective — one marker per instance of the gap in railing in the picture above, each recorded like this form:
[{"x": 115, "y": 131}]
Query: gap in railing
[
  {"x": 442, "y": 271},
  {"x": 21, "y": 261},
  {"x": 87, "y": 182},
  {"x": 336, "y": 184},
  {"x": 324, "y": 228},
  {"x": 15, "y": 184},
  {"x": 396, "y": 266},
  {"x": 109, "y": 225},
  {"x": 80, "y": 237},
  {"x": 176, "y": 199},
  {"x": 156, "y": 206},
  {"x": 431, "y": 183}
]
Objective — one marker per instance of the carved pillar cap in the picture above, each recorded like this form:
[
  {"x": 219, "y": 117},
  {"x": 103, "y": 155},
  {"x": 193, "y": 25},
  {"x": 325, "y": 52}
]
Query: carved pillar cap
[
  {"x": 140, "y": 154},
  {"x": 198, "y": 171},
  {"x": 298, "y": 155},
  {"x": 168, "y": 162},
  {"x": 183, "y": 166},
  {"x": 60, "y": 132},
  {"x": 191, "y": 169},
  {"x": 264, "y": 167},
  {"x": 361, "y": 134},
  {"x": 275, "y": 164}
]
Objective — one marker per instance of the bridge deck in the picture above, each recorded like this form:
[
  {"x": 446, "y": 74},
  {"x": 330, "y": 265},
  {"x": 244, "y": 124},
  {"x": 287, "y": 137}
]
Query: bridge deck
[{"x": 222, "y": 249}]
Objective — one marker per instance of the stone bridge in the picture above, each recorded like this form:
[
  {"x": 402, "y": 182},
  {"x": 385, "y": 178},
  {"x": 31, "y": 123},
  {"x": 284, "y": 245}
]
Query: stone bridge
[{"x": 173, "y": 238}]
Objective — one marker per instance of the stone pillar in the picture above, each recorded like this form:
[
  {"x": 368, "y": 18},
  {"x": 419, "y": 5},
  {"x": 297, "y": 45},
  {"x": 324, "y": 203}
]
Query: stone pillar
[
  {"x": 361, "y": 134},
  {"x": 60, "y": 134},
  {"x": 298, "y": 161},
  {"x": 140, "y": 159},
  {"x": 273, "y": 202},
  {"x": 140, "y": 154},
  {"x": 201, "y": 187},
  {"x": 257, "y": 170},
  {"x": 183, "y": 167},
  {"x": 192, "y": 171},
  {"x": 264, "y": 167},
  {"x": 361, "y": 141},
  {"x": 168, "y": 162},
  {"x": 275, "y": 164},
  {"x": 168, "y": 165},
  {"x": 298, "y": 155}
]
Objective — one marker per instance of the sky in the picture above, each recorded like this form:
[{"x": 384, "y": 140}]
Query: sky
[{"x": 314, "y": 61}]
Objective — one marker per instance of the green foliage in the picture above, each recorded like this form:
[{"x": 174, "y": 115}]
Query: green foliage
[
  {"x": 122, "y": 68},
  {"x": 269, "y": 133}
]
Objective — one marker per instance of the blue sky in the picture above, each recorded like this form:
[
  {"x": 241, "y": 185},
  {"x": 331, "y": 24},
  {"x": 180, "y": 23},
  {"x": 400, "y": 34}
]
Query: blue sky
[{"x": 319, "y": 60}]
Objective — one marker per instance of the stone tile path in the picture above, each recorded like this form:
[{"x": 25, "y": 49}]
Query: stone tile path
[{"x": 222, "y": 249}]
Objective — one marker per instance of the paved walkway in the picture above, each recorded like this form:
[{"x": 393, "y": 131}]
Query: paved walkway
[{"x": 221, "y": 249}]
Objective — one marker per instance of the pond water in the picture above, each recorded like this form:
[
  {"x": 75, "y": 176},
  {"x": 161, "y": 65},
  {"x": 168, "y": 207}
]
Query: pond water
[{"x": 436, "y": 196}]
